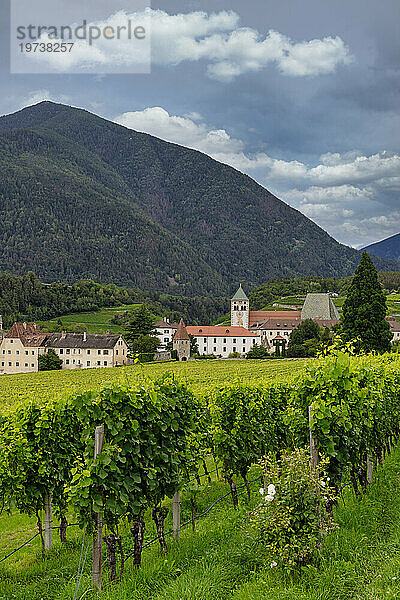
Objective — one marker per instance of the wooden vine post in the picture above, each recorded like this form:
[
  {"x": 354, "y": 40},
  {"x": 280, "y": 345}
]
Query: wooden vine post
[
  {"x": 47, "y": 523},
  {"x": 176, "y": 515},
  {"x": 98, "y": 534},
  {"x": 313, "y": 442},
  {"x": 370, "y": 470}
]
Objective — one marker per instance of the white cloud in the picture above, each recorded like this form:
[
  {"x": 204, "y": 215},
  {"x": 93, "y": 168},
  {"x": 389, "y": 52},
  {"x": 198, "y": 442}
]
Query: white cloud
[
  {"x": 216, "y": 39},
  {"x": 344, "y": 193}
]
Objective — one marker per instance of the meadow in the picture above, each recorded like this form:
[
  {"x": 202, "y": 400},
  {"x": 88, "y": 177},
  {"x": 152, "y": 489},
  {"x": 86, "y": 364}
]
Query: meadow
[
  {"x": 199, "y": 375},
  {"x": 94, "y": 321}
]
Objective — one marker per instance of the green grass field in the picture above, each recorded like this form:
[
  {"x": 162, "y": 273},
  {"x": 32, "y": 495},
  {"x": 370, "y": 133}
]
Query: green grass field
[
  {"x": 199, "y": 375},
  {"x": 94, "y": 322},
  {"x": 359, "y": 561}
]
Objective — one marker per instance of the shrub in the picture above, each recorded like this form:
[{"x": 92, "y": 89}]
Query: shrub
[
  {"x": 49, "y": 361},
  {"x": 258, "y": 352},
  {"x": 292, "y": 517}
]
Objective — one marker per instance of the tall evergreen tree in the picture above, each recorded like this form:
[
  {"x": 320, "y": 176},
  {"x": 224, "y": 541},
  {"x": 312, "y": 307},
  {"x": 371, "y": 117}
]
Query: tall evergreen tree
[
  {"x": 141, "y": 323},
  {"x": 364, "y": 310}
]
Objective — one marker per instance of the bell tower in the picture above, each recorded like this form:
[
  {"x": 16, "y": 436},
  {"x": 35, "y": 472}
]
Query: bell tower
[{"x": 240, "y": 309}]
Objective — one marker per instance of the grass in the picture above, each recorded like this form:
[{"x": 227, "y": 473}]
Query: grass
[
  {"x": 360, "y": 561},
  {"x": 93, "y": 321},
  {"x": 199, "y": 375}
]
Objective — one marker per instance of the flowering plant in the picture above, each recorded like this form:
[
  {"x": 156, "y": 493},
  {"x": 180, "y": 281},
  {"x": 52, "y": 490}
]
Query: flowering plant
[{"x": 292, "y": 517}]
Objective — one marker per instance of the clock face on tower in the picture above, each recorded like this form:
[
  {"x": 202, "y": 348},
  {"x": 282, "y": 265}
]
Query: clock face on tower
[{"x": 240, "y": 319}]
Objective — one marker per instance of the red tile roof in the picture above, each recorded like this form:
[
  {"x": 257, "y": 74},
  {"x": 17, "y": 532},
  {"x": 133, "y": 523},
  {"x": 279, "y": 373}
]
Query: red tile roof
[
  {"x": 181, "y": 333},
  {"x": 278, "y": 323},
  {"x": 28, "y": 333},
  {"x": 257, "y": 316},
  {"x": 219, "y": 331},
  {"x": 165, "y": 325}
]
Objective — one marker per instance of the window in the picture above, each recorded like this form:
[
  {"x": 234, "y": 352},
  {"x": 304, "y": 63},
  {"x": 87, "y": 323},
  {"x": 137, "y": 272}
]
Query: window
[
  {"x": 88, "y": 363},
  {"x": 98, "y": 362},
  {"x": 33, "y": 364},
  {"x": 87, "y": 351},
  {"x": 17, "y": 364},
  {"x": 2, "y": 364},
  {"x": 9, "y": 352},
  {"x": 105, "y": 363},
  {"x": 234, "y": 340},
  {"x": 224, "y": 349},
  {"x": 98, "y": 351},
  {"x": 33, "y": 353},
  {"x": 116, "y": 352},
  {"x": 165, "y": 340},
  {"x": 5, "y": 352},
  {"x": 11, "y": 341},
  {"x": 105, "y": 351},
  {"x": 61, "y": 351},
  {"x": 73, "y": 362},
  {"x": 234, "y": 348},
  {"x": 68, "y": 351},
  {"x": 9, "y": 364},
  {"x": 26, "y": 364},
  {"x": 215, "y": 340},
  {"x": 205, "y": 348},
  {"x": 215, "y": 349},
  {"x": 17, "y": 351},
  {"x": 67, "y": 361}
]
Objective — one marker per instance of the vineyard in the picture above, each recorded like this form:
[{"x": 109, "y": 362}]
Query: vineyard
[
  {"x": 199, "y": 375},
  {"x": 111, "y": 460}
]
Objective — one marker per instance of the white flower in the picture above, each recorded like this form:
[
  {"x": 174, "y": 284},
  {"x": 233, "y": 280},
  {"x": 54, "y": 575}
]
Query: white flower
[
  {"x": 271, "y": 489},
  {"x": 268, "y": 498},
  {"x": 274, "y": 564},
  {"x": 262, "y": 491},
  {"x": 323, "y": 484}
]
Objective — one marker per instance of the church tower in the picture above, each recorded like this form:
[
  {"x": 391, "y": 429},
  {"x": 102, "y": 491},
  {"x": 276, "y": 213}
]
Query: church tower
[
  {"x": 240, "y": 307},
  {"x": 181, "y": 342}
]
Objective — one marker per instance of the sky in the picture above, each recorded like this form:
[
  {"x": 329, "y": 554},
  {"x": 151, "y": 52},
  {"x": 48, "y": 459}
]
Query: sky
[{"x": 302, "y": 95}]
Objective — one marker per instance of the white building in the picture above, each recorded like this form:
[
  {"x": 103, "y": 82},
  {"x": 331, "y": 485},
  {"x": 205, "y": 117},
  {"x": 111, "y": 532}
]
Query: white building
[
  {"x": 165, "y": 332},
  {"x": 20, "y": 348},
  {"x": 88, "y": 350},
  {"x": 22, "y": 345},
  {"x": 222, "y": 340}
]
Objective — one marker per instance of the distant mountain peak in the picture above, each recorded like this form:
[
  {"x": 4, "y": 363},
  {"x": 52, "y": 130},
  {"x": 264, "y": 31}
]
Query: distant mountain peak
[{"x": 388, "y": 248}]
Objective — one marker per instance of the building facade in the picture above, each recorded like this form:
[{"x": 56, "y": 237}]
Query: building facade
[
  {"x": 88, "y": 351},
  {"x": 165, "y": 332},
  {"x": 22, "y": 345},
  {"x": 223, "y": 341},
  {"x": 20, "y": 348}
]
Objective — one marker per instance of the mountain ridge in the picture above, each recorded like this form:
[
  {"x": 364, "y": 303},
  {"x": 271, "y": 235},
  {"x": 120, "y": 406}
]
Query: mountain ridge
[
  {"x": 127, "y": 207},
  {"x": 388, "y": 248}
]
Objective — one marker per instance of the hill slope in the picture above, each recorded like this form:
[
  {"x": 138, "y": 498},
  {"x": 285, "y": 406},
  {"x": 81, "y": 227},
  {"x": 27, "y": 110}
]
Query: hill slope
[
  {"x": 82, "y": 196},
  {"x": 388, "y": 248}
]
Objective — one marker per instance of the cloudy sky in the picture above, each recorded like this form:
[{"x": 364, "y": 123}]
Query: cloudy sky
[{"x": 302, "y": 95}]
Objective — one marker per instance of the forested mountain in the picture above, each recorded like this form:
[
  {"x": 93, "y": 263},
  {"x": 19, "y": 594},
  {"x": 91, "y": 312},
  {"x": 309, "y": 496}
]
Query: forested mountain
[
  {"x": 83, "y": 197},
  {"x": 388, "y": 248},
  {"x": 27, "y": 298}
]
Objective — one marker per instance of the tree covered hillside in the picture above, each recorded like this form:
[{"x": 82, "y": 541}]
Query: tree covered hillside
[{"x": 84, "y": 197}]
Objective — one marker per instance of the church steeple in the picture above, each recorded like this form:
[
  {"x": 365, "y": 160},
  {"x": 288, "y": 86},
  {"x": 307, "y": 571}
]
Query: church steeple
[{"x": 240, "y": 309}]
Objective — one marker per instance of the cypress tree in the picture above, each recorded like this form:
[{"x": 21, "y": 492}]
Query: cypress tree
[{"x": 364, "y": 310}]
